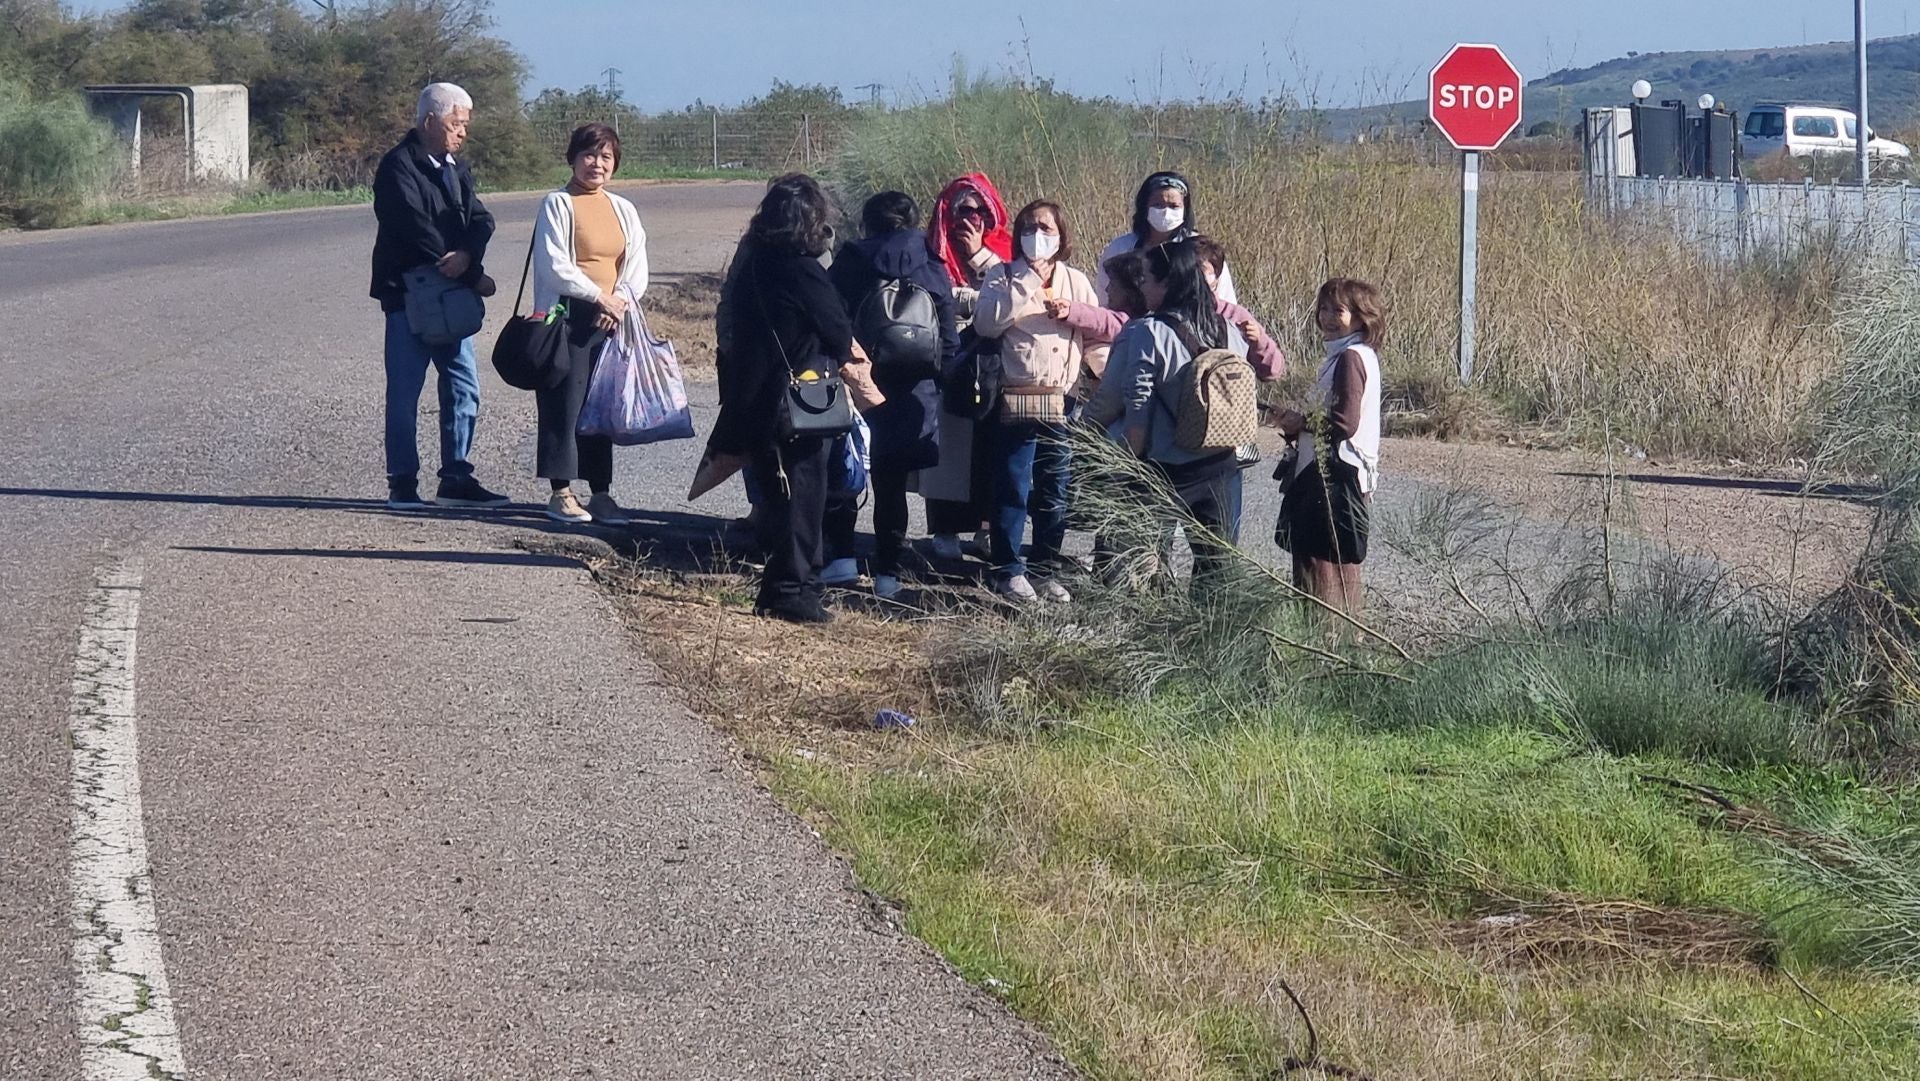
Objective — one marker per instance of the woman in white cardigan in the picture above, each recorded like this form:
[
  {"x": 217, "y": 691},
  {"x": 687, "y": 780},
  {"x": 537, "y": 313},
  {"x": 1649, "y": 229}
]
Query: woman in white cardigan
[{"x": 590, "y": 260}]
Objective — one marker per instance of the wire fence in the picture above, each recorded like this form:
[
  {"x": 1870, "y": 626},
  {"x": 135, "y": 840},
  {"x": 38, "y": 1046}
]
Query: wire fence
[
  {"x": 756, "y": 143},
  {"x": 1738, "y": 220}
]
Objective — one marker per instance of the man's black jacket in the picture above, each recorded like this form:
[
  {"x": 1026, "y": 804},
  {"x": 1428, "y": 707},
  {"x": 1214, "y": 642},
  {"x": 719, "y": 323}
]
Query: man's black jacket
[{"x": 420, "y": 220}]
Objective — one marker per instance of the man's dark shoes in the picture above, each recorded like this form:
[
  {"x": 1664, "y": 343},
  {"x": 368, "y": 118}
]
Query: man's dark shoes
[
  {"x": 403, "y": 493},
  {"x": 796, "y": 610},
  {"x": 467, "y": 492}
]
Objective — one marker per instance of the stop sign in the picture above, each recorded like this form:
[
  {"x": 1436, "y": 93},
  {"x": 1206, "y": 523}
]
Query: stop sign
[{"x": 1474, "y": 96}]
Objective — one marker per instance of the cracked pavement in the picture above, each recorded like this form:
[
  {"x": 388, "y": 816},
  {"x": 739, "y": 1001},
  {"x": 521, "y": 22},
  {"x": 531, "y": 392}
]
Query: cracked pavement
[{"x": 415, "y": 806}]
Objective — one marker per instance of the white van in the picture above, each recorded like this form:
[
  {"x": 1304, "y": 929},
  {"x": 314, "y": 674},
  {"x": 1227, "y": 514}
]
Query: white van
[{"x": 1810, "y": 131}]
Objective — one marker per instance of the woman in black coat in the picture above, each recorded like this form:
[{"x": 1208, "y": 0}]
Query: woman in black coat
[
  {"x": 906, "y": 427},
  {"x": 786, "y": 318}
]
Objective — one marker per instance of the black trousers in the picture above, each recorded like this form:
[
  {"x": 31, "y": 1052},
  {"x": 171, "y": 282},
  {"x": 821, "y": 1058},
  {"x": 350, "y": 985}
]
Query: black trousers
[
  {"x": 561, "y": 453},
  {"x": 889, "y": 521},
  {"x": 792, "y": 516}
]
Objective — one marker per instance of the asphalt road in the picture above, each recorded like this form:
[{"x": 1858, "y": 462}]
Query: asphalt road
[{"x": 415, "y": 807}]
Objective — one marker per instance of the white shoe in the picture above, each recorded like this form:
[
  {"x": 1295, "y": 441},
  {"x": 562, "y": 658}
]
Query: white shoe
[
  {"x": 946, "y": 546},
  {"x": 565, "y": 507},
  {"x": 1016, "y": 588},
  {"x": 840, "y": 572},
  {"x": 886, "y": 587},
  {"x": 1054, "y": 592}
]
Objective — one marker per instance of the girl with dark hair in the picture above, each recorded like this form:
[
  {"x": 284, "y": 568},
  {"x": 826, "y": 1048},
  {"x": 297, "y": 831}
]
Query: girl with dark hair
[
  {"x": 905, "y": 428},
  {"x": 1103, "y": 324},
  {"x": 968, "y": 237},
  {"x": 785, "y": 318},
  {"x": 1163, "y": 213},
  {"x": 1148, "y": 362},
  {"x": 590, "y": 261},
  {"x": 1042, "y": 359},
  {"x": 1329, "y": 494}
]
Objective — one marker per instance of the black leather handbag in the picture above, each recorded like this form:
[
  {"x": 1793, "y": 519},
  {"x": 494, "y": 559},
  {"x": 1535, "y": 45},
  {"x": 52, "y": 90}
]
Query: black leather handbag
[
  {"x": 531, "y": 351},
  {"x": 815, "y": 402}
]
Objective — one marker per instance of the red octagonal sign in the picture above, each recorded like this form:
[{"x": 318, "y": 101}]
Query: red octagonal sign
[{"x": 1474, "y": 96}]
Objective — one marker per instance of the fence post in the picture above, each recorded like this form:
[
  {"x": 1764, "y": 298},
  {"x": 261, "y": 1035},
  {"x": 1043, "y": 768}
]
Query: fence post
[
  {"x": 1741, "y": 237},
  {"x": 806, "y": 136},
  {"x": 1906, "y": 228},
  {"x": 716, "y": 140}
]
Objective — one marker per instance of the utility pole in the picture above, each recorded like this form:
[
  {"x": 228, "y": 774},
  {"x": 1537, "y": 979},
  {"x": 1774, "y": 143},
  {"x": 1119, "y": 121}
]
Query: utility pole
[
  {"x": 1860, "y": 91},
  {"x": 613, "y": 96}
]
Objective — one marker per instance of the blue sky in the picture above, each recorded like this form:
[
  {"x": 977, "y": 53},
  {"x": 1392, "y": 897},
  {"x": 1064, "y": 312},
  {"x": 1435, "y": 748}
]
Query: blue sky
[
  {"x": 1350, "y": 52},
  {"x": 1357, "y": 52}
]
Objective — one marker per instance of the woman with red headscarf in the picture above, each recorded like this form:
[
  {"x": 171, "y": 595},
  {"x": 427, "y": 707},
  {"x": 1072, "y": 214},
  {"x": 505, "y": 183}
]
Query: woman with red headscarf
[{"x": 969, "y": 237}]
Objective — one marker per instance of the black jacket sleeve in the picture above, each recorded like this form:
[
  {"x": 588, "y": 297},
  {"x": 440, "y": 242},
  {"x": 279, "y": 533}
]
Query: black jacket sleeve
[
  {"x": 480, "y": 227},
  {"x": 851, "y": 275},
  {"x": 405, "y": 216},
  {"x": 949, "y": 315},
  {"x": 820, "y": 302}
]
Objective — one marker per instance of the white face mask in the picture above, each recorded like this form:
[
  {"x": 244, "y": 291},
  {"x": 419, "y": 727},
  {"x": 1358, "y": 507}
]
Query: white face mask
[
  {"x": 1165, "y": 219},
  {"x": 1039, "y": 246}
]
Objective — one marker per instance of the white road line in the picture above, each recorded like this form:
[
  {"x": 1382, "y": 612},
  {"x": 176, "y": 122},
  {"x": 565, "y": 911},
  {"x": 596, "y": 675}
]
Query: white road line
[{"x": 121, "y": 1002}]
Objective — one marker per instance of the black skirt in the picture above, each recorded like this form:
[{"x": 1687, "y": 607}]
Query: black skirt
[{"x": 1325, "y": 517}]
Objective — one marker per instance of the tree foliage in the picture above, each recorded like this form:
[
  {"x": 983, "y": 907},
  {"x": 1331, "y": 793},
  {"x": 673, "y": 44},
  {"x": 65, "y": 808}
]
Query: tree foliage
[{"x": 332, "y": 84}]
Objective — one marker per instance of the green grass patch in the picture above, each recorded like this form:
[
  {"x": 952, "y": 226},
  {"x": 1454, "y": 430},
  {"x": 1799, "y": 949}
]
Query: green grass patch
[{"x": 1134, "y": 882}]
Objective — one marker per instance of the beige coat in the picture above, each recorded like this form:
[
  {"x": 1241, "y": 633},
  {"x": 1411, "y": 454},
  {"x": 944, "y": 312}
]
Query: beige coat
[{"x": 1038, "y": 351}]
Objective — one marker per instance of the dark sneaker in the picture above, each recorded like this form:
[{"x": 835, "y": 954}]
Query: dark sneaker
[
  {"x": 403, "y": 493},
  {"x": 796, "y": 610},
  {"x": 466, "y": 492}
]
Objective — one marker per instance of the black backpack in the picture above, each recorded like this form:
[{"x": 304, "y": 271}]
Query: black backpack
[{"x": 899, "y": 327}]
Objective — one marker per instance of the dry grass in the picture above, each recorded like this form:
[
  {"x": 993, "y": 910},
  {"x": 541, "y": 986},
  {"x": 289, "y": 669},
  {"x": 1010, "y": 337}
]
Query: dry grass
[
  {"x": 681, "y": 311},
  {"x": 1573, "y": 931},
  {"x": 763, "y": 680}
]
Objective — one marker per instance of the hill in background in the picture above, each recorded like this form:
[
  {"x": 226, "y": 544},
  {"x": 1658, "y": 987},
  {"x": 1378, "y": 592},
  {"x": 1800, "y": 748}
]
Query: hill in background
[{"x": 1740, "y": 77}]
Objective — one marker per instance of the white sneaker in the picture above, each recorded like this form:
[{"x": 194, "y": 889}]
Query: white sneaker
[
  {"x": 840, "y": 572},
  {"x": 565, "y": 507},
  {"x": 1016, "y": 588},
  {"x": 1054, "y": 592},
  {"x": 886, "y": 587},
  {"x": 946, "y": 546}
]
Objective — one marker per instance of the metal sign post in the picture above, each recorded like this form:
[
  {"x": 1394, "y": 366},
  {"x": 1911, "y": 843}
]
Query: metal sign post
[
  {"x": 1469, "y": 256},
  {"x": 1474, "y": 98},
  {"x": 1860, "y": 137}
]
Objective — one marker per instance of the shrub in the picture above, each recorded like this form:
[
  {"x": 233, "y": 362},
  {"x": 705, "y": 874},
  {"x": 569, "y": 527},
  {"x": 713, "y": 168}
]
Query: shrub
[{"x": 54, "y": 157}]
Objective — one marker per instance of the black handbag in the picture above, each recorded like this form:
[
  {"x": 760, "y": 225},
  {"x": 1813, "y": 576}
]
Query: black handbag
[
  {"x": 531, "y": 352},
  {"x": 972, "y": 386},
  {"x": 816, "y": 407},
  {"x": 815, "y": 402}
]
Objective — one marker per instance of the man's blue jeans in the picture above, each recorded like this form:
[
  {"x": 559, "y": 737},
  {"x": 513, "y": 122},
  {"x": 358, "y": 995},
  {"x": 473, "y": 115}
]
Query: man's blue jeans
[
  {"x": 407, "y": 361},
  {"x": 1031, "y": 472}
]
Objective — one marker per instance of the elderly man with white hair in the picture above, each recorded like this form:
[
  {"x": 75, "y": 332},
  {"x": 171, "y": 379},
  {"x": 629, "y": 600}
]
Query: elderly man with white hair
[{"x": 430, "y": 217}]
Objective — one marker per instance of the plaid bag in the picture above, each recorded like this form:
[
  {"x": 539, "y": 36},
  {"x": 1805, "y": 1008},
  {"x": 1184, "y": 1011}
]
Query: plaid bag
[{"x": 1041, "y": 406}]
